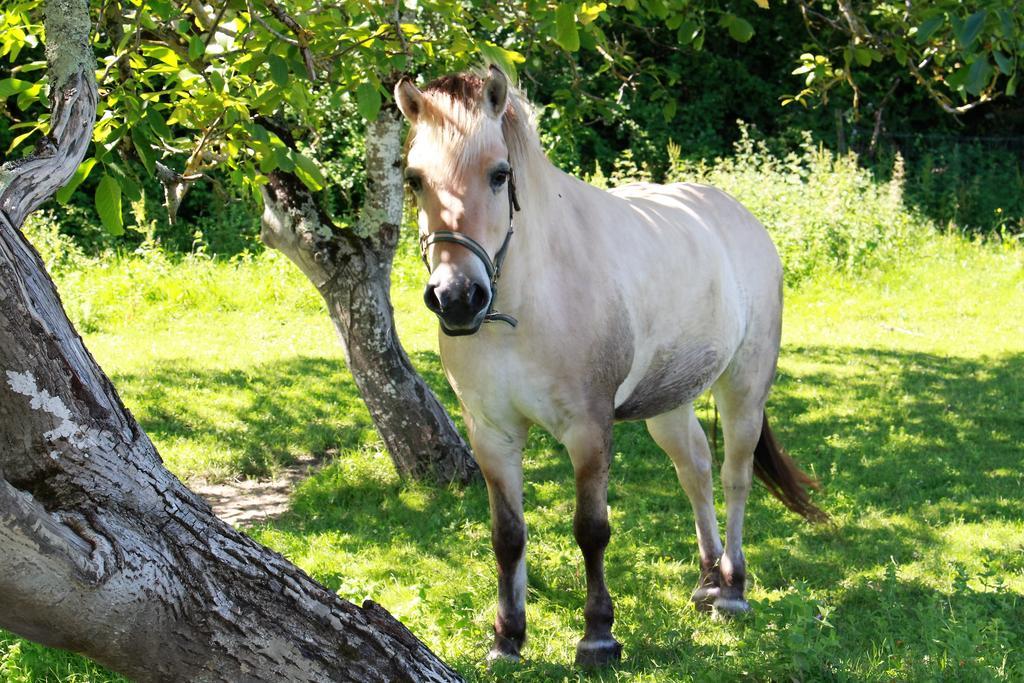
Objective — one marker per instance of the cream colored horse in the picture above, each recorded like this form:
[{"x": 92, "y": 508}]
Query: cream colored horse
[{"x": 620, "y": 305}]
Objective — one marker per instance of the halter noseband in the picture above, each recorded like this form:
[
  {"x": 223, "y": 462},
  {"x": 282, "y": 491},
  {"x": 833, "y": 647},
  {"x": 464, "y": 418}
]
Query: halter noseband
[{"x": 493, "y": 268}]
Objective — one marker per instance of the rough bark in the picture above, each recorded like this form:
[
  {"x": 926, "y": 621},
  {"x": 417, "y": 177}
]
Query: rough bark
[
  {"x": 352, "y": 271},
  {"x": 27, "y": 183},
  {"x": 102, "y": 550}
]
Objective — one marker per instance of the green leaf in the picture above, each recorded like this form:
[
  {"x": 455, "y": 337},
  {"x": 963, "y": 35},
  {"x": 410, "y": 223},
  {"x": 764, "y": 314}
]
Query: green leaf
[
  {"x": 81, "y": 173},
  {"x": 268, "y": 163},
  {"x": 283, "y": 159},
  {"x": 108, "y": 205},
  {"x": 278, "y": 70},
  {"x": 161, "y": 53},
  {"x": 739, "y": 29},
  {"x": 862, "y": 55},
  {"x": 308, "y": 172},
  {"x": 687, "y": 32},
  {"x": 13, "y": 86},
  {"x": 669, "y": 110},
  {"x": 1006, "y": 64},
  {"x": 657, "y": 8},
  {"x": 957, "y": 79},
  {"x": 567, "y": 35},
  {"x": 29, "y": 95},
  {"x": 196, "y": 47},
  {"x": 21, "y": 138},
  {"x": 130, "y": 188},
  {"x": 928, "y": 27},
  {"x": 978, "y": 76},
  {"x": 971, "y": 28},
  {"x": 157, "y": 123},
  {"x": 147, "y": 155},
  {"x": 506, "y": 59},
  {"x": 1006, "y": 22},
  {"x": 1011, "y": 87},
  {"x": 900, "y": 53},
  {"x": 368, "y": 99}
]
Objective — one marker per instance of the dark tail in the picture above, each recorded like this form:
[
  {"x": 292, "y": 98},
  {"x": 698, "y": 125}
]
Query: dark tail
[{"x": 783, "y": 477}]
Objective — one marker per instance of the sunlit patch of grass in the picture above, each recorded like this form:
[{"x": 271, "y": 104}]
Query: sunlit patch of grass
[{"x": 901, "y": 389}]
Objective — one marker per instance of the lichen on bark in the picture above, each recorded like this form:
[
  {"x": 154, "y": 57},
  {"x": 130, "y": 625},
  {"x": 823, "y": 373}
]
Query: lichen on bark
[{"x": 68, "y": 50}]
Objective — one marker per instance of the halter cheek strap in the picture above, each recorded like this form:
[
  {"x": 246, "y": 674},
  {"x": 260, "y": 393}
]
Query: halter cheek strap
[{"x": 493, "y": 268}]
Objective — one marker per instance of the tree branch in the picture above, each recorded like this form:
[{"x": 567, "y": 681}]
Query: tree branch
[
  {"x": 27, "y": 183},
  {"x": 301, "y": 39}
]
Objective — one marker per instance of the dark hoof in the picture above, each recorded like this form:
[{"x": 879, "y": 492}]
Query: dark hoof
[
  {"x": 596, "y": 653},
  {"x": 727, "y": 608},
  {"x": 496, "y": 655},
  {"x": 704, "y": 598},
  {"x": 504, "y": 650}
]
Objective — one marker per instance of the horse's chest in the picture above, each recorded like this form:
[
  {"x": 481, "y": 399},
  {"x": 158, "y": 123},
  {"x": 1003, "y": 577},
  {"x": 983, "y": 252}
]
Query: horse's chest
[{"x": 671, "y": 378}]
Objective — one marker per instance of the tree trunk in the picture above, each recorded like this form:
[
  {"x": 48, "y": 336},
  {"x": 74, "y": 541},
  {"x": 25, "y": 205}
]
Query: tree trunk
[
  {"x": 352, "y": 271},
  {"x": 102, "y": 550}
]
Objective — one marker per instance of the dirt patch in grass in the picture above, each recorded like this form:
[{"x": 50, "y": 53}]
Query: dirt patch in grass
[{"x": 248, "y": 501}]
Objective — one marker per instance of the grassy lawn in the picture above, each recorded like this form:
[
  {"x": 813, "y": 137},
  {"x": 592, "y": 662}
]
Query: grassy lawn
[{"x": 902, "y": 390}]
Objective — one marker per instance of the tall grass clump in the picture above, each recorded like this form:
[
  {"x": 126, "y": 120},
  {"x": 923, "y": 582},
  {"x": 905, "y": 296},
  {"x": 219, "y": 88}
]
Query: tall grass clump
[
  {"x": 825, "y": 212},
  {"x": 150, "y": 284}
]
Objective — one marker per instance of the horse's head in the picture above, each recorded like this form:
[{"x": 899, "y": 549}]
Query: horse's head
[{"x": 457, "y": 166}]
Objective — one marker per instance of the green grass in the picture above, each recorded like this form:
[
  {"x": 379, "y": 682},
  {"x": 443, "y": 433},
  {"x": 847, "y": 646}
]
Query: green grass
[{"x": 902, "y": 388}]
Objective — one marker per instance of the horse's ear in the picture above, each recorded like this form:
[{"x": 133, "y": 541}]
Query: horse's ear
[
  {"x": 495, "y": 95},
  {"x": 409, "y": 99}
]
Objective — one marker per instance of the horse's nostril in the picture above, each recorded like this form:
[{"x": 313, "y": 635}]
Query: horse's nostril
[
  {"x": 477, "y": 297},
  {"x": 433, "y": 299}
]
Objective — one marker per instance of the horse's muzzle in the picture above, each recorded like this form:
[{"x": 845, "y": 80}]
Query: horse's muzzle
[{"x": 459, "y": 303}]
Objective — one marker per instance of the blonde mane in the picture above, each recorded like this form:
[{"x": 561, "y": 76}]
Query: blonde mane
[{"x": 454, "y": 113}]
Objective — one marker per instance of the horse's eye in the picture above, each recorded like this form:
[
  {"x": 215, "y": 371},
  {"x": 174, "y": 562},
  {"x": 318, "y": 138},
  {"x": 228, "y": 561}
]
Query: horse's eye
[
  {"x": 498, "y": 179},
  {"x": 415, "y": 183}
]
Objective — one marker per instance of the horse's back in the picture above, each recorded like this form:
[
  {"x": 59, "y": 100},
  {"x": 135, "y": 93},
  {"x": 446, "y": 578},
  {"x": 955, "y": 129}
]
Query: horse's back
[{"x": 704, "y": 210}]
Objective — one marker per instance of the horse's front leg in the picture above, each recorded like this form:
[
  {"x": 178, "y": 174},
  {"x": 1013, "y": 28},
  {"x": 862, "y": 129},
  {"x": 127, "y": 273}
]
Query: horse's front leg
[
  {"x": 590, "y": 450},
  {"x": 500, "y": 456}
]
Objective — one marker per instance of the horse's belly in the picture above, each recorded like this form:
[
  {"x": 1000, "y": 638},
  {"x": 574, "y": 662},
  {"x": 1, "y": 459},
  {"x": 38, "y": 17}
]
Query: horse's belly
[{"x": 671, "y": 378}]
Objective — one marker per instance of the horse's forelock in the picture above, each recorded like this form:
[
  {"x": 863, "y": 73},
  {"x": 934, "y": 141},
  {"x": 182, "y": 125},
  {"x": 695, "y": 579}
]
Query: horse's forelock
[
  {"x": 452, "y": 106},
  {"x": 464, "y": 88}
]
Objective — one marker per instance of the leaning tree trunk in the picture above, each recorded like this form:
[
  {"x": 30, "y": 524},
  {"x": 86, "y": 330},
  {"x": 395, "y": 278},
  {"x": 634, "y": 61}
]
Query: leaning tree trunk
[
  {"x": 102, "y": 550},
  {"x": 352, "y": 271}
]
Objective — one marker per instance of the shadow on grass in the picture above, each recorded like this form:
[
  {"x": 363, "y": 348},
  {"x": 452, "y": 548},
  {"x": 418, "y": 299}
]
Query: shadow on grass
[
  {"x": 914, "y": 439},
  {"x": 907, "y": 433},
  {"x": 260, "y": 417},
  {"x": 905, "y": 444}
]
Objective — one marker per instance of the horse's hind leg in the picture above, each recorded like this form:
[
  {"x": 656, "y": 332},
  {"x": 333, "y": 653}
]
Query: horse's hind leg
[
  {"x": 742, "y": 412},
  {"x": 589, "y": 446},
  {"x": 679, "y": 434}
]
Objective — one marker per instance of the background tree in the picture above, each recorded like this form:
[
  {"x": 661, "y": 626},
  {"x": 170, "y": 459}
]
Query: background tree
[
  {"x": 249, "y": 91},
  {"x": 224, "y": 98},
  {"x": 102, "y": 550},
  {"x": 962, "y": 54},
  {"x": 242, "y": 89}
]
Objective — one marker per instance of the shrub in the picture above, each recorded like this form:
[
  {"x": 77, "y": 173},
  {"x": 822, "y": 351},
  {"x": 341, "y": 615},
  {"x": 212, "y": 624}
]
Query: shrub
[
  {"x": 59, "y": 251},
  {"x": 824, "y": 211}
]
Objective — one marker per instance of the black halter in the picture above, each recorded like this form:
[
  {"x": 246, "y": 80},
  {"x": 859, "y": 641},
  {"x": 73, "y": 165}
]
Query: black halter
[{"x": 493, "y": 267}]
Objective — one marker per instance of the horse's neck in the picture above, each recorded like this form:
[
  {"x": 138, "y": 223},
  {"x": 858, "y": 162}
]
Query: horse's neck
[{"x": 546, "y": 228}]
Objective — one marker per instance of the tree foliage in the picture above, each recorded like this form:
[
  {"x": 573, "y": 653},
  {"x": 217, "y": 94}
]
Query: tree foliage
[
  {"x": 187, "y": 88},
  {"x": 961, "y": 53}
]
